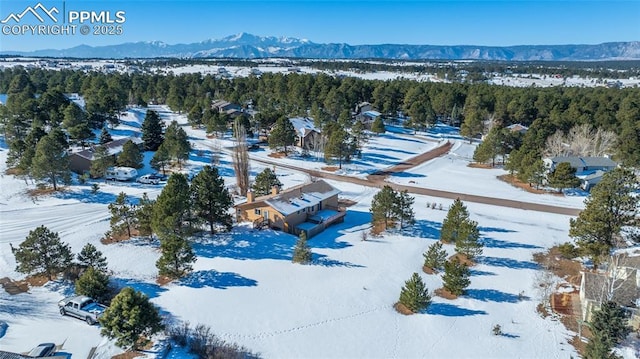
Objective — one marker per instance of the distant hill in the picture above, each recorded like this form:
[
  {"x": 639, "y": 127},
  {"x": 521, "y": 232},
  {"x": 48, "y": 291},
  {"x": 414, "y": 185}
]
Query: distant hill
[{"x": 250, "y": 46}]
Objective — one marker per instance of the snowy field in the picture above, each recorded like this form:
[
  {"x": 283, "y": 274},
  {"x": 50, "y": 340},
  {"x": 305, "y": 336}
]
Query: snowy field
[{"x": 246, "y": 289}]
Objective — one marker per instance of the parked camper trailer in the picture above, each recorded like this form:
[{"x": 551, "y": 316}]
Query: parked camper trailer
[{"x": 121, "y": 173}]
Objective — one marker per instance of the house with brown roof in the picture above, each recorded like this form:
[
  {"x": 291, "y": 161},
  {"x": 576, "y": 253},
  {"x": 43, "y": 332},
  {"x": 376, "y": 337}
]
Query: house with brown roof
[
  {"x": 80, "y": 162},
  {"x": 309, "y": 208},
  {"x": 621, "y": 284}
]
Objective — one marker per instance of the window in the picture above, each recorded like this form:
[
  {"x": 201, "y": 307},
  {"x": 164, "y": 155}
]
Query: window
[
  {"x": 304, "y": 210},
  {"x": 257, "y": 211}
]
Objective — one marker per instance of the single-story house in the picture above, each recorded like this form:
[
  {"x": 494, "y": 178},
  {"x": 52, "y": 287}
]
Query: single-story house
[
  {"x": 308, "y": 208},
  {"x": 517, "y": 127},
  {"x": 367, "y": 117},
  {"x": 80, "y": 162},
  {"x": 226, "y": 107},
  {"x": 363, "y": 107},
  {"x": 588, "y": 169},
  {"x": 621, "y": 284},
  {"x": 306, "y": 131}
]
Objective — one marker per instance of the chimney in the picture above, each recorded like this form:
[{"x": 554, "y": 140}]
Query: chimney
[
  {"x": 275, "y": 190},
  {"x": 250, "y": 196}
]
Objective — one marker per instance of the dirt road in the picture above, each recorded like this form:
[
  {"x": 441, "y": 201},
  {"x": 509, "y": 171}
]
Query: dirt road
[{"x": 378, "y": 180}]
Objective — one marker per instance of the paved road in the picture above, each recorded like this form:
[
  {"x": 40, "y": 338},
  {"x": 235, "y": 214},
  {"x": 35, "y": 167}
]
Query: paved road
[{"x": 378, "y": 180}]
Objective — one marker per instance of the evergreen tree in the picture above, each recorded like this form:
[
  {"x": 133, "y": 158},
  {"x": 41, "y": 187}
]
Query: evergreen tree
[
  {"x": 177, "y": 256},
  {"x": 130, "y": 319},
  {"x": 264, "y": 182},
  {"x": 384, "y": 208},
  {"x": 144, "y": 213},
  {"x": 415, "y": 295},
  {"x": 211, "y": 199},
  {"x": 611, "y": 206},
  {"x": 457, "y": 214},
  {"x": 102, "y": 161},
  {"x": 404, "y": 208},
  {"x": 160, "y": 159},
  {"x": 609, "y": 326},
  {"x": 536, "y": 173},
  {"x": 152, "y": 131},
  {"x": 105, "y": 136},
  {"x": 564, "y": 176},
  {"x": 42, "y": 252},
  {"x": 456, "y": 277},
  {"x": 377, "y": 126},
  {"x": 282, "y": 134},
  {"x": 468, "y": 243},
  {"x": 435, "y": 257},
  {"x": 93, "y": 283},
  {"x": 338, "y": 146},
  {"x": 301, "y": 252},
  {"x": 91, "y": 257},
  {"x": 472, "y": 125},
  {"x": 130, "y": 155},
  {"x": 195, "y": 116},
  {"x": 359, "y": 133},
  {"x": 75, "y": 121},
  {"x": 51, "y": 160},
  {"x": 172, "y": 206},
  {"x": 122, "y": 216},
  {"x": 177, "y": 143}
]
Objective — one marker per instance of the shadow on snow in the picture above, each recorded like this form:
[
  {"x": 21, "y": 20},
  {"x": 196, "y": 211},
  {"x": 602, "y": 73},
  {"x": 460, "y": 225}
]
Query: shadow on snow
[
  {"x": 215, "y": 279},
  {"x": 498, "y": 243},
  {"x": 475, "y": 272},
  {"x": 87, "y": 196},
  {"x": 450, "y": 310},
  {"x": 151, "y": 290},
  {"x": 423, "y": 229},
  {"x": 507, "y": 262},
  {"x": 492, "y": 295}
]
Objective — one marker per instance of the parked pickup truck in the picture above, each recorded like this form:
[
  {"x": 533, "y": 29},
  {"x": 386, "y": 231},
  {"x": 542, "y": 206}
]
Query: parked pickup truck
[{"x": 82, "y": 307}]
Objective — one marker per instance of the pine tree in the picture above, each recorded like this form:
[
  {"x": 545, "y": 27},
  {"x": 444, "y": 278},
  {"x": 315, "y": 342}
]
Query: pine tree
[
  {"x": 415, "y": 295},
  {"x": 610, "y": 207},
  {"x": 93, "y": 283},
  {"x": 457, "y": 214},
  {"x": 161, "y": 159},
  {"x": 282, "y": 134},
  {"x": 130, "y": 155},
  {"x": 177, "y": 256},
  {"x": 435, "y": 257},
  {"x": 105, "y": 136},
  {"x": 102, "y": 161},
  {"x": 210, "y": 198},
  {"x": 468, "y": 241},
  {"x": 359, "y": 133},
  {"x": 122, "y": 216},
  {"x": 536, "y": 173},
  {"x": 377, "y": 126},
  {"x": 177, "y": 143},
  {"x": 264, "y": 182},
  {"x": 91, "y": 257},
  {"x": 338, "y": 146},
  {"x": 404, "y": 208},
  {"x": 51, "y": 160},
  {"x": 130, "y": 319},
  {"x": 564, "y": 176},
  {"x": 383, "y": 208},
  {"x": 151, "y": 131},
  {"x": 456, "y": 277},
  {"x": 42, "y": 252},
  {"x": 144, "y": 213},
  {"x": 609, "y": 326},
  {"x": 301, "y": 252},
  {"x": 172, "y": 205}
]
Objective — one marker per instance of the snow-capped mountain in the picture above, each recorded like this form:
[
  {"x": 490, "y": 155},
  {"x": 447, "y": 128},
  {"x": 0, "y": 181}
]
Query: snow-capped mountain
[{"x": 245, "y": 45}]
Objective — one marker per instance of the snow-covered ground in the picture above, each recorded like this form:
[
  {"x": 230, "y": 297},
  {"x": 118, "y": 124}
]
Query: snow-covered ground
[{"x": 245, "y": 287}]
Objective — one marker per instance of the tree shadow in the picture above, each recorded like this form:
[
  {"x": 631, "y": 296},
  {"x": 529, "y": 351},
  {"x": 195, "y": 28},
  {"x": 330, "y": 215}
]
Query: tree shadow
[
  {"x": 407, "y": 175},
  {"x": 450, "y": 310},
  {"x": 391, "y": 150},
  {"x": 391, "y": 136},
  {"x": 511, "y": 336},
  {"x": 495, "y": 229},
  {"x": 215, "y": 279},
  {"x": 151, "y": 290},
  {"x": 423, "y": 229},
  {"x": 475, "y": 272},
  {"x": 325, "y": 261},
  {"x": 492, "y": 295},
  {"x": 87, "y": 196},
  {"x": 498, "y": 243},
  {"x": 507, "y": 262}
]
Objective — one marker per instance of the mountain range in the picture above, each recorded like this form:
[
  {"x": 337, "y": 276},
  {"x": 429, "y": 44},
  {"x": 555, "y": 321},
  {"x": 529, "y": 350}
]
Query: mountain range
[{"x": 245, "y": 45}]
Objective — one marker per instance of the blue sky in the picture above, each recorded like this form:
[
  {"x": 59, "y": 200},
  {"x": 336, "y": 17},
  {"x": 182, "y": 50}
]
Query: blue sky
[{"x": 477, "y": 22}]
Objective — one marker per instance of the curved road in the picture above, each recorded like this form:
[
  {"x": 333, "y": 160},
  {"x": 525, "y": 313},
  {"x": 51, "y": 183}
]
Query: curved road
[{"x": 378, "y": 180}]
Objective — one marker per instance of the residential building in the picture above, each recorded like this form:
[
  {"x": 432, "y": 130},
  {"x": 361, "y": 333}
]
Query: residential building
[
  {"x": 306, "y": 131},
  {"x": 226, "y": 107},
  {"x": 517, "y": 127},
  {"x": 588, "y": 169},
  {"x": 308, "y": 208},
  {"x": 80, "y": 162}
]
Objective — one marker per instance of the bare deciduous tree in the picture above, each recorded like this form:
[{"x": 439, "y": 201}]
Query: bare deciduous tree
[
  {"x": 240, "y": 159},
  {"x": 581, "y": 140}
]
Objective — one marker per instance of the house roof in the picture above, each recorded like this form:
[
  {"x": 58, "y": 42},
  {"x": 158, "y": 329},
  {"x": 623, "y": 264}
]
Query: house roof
[
  {"x": 371, "y": 113},
  {"x": 295, "y": 198},
  {"x": 114, "y": 147},
  {"x": 596, "y": 288},
  {"x": 517, "y": 127},
  {"x": 576, "y": 161},
  {"x": 303, "y": 125}
]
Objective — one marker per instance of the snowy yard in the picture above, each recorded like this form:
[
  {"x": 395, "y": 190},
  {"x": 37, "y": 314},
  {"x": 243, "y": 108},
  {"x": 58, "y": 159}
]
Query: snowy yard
[{"x": 246, "y": 289}]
